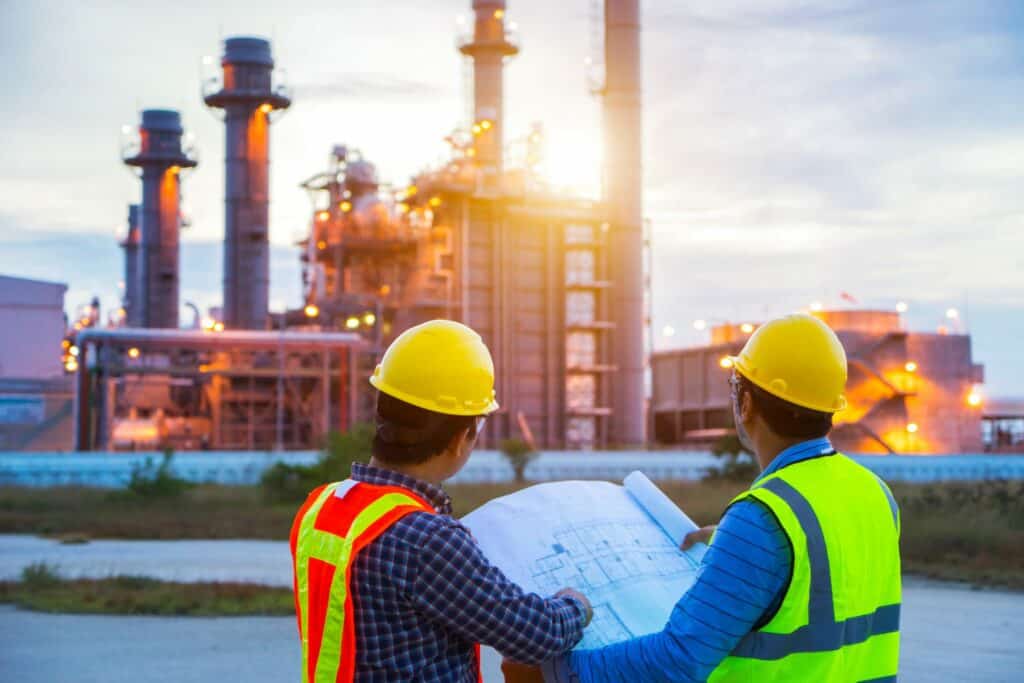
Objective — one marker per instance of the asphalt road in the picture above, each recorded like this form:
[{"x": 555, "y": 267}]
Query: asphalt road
[{"x": 950, "y": 633}]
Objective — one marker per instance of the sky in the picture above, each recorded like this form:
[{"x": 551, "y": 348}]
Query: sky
[{"x": 794, "y": 149}]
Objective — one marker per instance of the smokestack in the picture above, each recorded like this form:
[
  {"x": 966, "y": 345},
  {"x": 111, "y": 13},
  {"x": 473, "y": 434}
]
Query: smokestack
[
  {"x": 130, "y": 298},
  {"x": 160, "y": 158},
  {"x": 488, "y": 48},
  {"x": 248, "y": 96},
  {"x": 623, "y": 183}
]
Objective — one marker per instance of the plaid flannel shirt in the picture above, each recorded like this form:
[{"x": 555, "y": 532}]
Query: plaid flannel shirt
[{"x": 424, "y": 594}]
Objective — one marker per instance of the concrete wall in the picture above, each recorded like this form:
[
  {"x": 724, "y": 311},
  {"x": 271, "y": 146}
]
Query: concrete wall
[{"x": 32, "y": 318}]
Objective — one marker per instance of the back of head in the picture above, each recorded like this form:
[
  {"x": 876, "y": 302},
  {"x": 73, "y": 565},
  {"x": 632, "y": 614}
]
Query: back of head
[{"x": 433, "y": 381}]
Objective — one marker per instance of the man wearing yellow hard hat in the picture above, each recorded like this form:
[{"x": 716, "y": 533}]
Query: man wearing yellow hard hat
[
  {"x": 390, "y": 587},
  {"x": 802, "y": 578}
]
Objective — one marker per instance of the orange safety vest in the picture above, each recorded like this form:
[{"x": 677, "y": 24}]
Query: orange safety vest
[{"x": 332, "y": 526}]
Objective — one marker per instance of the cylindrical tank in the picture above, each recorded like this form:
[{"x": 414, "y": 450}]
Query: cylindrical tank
[
  {"x": 130, "y": 298},
  {"x": 160, "y": 158},
  {"x": 248, "y": 96},
  {"x": 623, "y": 183},
  {"x": 488, "y": 48}
]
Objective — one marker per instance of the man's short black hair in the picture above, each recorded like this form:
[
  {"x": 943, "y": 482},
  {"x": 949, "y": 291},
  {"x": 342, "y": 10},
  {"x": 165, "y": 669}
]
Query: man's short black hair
[
  {"x": 410, "y": 435},
  {"x": 784, "y": 418}
]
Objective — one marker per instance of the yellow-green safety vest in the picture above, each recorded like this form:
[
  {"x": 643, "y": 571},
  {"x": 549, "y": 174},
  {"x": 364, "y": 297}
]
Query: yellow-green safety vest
[{"x": 839, "y": 619}]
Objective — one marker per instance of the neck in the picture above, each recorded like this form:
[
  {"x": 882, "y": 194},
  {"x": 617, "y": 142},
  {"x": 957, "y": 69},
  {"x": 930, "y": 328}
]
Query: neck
[
  {"x": 424, "y": 471},
  {"x": 769, "y": 446}
]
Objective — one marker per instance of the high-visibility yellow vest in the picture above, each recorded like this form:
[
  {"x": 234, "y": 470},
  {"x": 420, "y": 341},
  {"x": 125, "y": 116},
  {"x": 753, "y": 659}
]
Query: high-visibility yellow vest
[
  {"x": 839, "y": 619},
  {"x": 333, "y": 525}
]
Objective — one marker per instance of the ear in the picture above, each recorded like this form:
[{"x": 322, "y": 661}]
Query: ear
[
  {"x": 747, "y": 406},
  {"x": 459, "y": 438}
]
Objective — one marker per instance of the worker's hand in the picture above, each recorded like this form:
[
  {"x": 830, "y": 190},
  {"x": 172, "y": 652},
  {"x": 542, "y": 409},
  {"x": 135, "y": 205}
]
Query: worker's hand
[
  {"x": 702, "y": 535},
  {"x": 576, "y": 595},
  {"x": 521, "y": 673}
]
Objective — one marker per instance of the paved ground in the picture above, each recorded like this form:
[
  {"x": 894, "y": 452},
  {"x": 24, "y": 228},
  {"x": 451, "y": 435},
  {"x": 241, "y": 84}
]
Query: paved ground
[{"x": 950, "y": 634}]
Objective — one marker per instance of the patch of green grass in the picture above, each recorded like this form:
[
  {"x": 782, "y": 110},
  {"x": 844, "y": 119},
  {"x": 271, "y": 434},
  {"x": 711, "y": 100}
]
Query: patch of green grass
[{"x": 42, "y": 589}]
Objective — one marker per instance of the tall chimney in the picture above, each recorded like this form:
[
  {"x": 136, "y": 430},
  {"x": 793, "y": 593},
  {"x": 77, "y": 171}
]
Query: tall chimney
[
  {"x": 247, "y": 96},
  {"x": 160, "y": 158},
  {"x": 488, "y": 48},
  {"x": 623, "y": 185},
  {"x": 130, "y": 298}
]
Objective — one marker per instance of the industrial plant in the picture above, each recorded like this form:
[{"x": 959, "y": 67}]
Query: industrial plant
[{"x": 553, "y": 283}]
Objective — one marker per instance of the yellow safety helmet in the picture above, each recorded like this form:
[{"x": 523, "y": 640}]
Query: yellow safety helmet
[
  {"x": 799, "y": 359},
  {"x": 440, "y": 365}
]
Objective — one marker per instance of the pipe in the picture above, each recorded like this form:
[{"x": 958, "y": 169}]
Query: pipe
[
  {"x": 624, "y": 193},
  {"x": 130, "y": 299}
]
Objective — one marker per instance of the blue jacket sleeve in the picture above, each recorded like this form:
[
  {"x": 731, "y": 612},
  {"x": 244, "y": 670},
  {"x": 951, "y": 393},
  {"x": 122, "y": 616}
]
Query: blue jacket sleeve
[{"x": 741, "y": 580}]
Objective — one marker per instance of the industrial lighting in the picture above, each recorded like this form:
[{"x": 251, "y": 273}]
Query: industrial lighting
[
  {"x": 499, "y": 14},
  {"x": 78, "y": 326},
  {"x": 369, "y": 319},
  {"x": 385, "y": 290},
  {"x": 208, "y": 324},
  {"x": 311, "y": 310},
  {"x": 346, "y": 206},
  {"x": 71, "y": 365},
  {"x": 974, "y": 399},
  {"x": 265, "y": 108},
  {"x": 435, "y": 202},
  {"x": 477, "y": 129},
  {"x": 411, "y": 190},
  {"x": 668, "y": 331},
  {"x": 174, "y": 169},
  {"x": 486, "y": 124},
  {"x": 816, "y": 306},
  {"x": 746, "y": 328},
  {"x": 910, "y": 366},
  {"x": 471, "y": 152},
  {"x": 352, "y": 323},
  {"x": 952, "y": 313},
  {"x": 218, "y": 326},
  {"x": 321, "y": 245},
  {"x": 700, "y": 325},
  {"x": 73, "y": 351},
  {"x": 323, "y": 215},
  {"x": 133, "y": 352},
  {"x": 901, "y": 307},
  {"x": 725, "y": 362},
  {"x": 911, "y": 427},
  {"x": 403, "y": 208}
]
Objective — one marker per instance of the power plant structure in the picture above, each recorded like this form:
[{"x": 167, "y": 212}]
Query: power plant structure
[
  {"x": 130, "y": 299},
  {"x": 554, "y": 284},
  {"x": 908, "y": 392}
]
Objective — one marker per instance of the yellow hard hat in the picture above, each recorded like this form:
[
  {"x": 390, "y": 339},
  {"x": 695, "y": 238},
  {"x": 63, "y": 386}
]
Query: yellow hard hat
[
  {"x": 440, "y": 365},
  {"x": 799, "y": 359}
]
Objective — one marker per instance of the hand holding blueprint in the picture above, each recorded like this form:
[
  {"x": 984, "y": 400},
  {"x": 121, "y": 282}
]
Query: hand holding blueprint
[{"x": 618, "y": 545}]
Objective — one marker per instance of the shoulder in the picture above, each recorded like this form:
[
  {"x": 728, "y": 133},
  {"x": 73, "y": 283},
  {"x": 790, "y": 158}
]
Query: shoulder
[{"x": 429, "y": 530}]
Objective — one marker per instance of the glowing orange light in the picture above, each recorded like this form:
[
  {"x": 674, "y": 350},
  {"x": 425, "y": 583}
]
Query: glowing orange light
[
  {"x": 73, "y": 351},
  {"x": 477, "y": 129},
  {"x": 265, "y": 108},
  {"x": 385, "y": 290},
  {"x": 323, "y": 215},
  {"x": 746, "y": 328},
  {"x": 486, "y": 124},
  {"x": 352, "y": 323},
  {"x": 208, "y": 324},
  {"x": 411, "y": 190},
  {"x": 725, "y": 362},
  {"x": 911, "y": 427},
  {"x": 403, "y": 208},
  {"x": 174, "y": 169},
  {"x": 133, "y": 352},
  {"x": 346, "y": 206},
  {"x": 974, "y": 399},
  {"x": 65, "y": 344},
  {"x": 369, "y": 318},
  {"x": 321, "y": 245},
  {"x": 435, "y": 202},
  {"x": 910, "y": 366},
  {"x": 471, "y": 152},
  {"x": 311, "y": 310},
  {"x": 71, "y": 365},
  {"x": 499, "y": 14},
  {"x": 218, "y": 326}
]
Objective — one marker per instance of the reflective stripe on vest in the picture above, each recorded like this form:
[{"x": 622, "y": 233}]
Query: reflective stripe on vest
[
  {"x": 377, "y": 509},
  {"x": 805, "y": 640}
]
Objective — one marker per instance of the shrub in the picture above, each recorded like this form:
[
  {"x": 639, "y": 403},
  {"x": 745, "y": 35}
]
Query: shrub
[
  {"x": 738, "y": 462},
  {"x": 519, "y": 454},
  {"x": 285, "y": 483},
  {"x": 39, "y": 576},
  {"x": 149, "y": 481}
]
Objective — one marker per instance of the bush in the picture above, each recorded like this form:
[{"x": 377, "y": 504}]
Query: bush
[
  {"x": 39, "y": 575},
  {"x": 156, "y": 481},
  {"x": 738, "y": 462},
  {"x": 285, "y": 483},
  {"x": 519, "y": 454}
]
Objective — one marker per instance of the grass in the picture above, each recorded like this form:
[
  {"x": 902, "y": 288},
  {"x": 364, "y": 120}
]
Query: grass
[
  {"x": 971, "y": 532},
  {"x": 42, "y": 589}
]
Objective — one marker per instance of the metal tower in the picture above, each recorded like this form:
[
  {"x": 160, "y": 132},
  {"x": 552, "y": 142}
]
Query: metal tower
[
  {"x": 130, "y": 296},
  {"x": 159, "y": 155},
  {"x": 489, "y": 45},
  {"x": 624, "y": 193},
  {"x": 247, "y": 95}
]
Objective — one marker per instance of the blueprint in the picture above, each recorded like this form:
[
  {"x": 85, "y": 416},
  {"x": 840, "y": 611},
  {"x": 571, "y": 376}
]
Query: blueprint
[{"x": 618, "y": 545}]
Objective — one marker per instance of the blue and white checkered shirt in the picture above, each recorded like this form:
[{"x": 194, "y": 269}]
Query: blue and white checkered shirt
[{"x": 424, "y": 594}]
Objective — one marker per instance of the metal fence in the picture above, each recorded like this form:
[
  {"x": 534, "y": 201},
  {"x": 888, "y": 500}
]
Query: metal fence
[{"x": 112, "y": 470}]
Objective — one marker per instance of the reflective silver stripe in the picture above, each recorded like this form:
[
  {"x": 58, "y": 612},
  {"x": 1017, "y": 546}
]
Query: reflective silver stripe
[
  {"x": 820, "y": 608},
  {"x": 820, "y": 637},
  {"x": 822, "y": 632},
  {"x": 892, "y": 502},
  {"x": 883, "y": 679}
]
